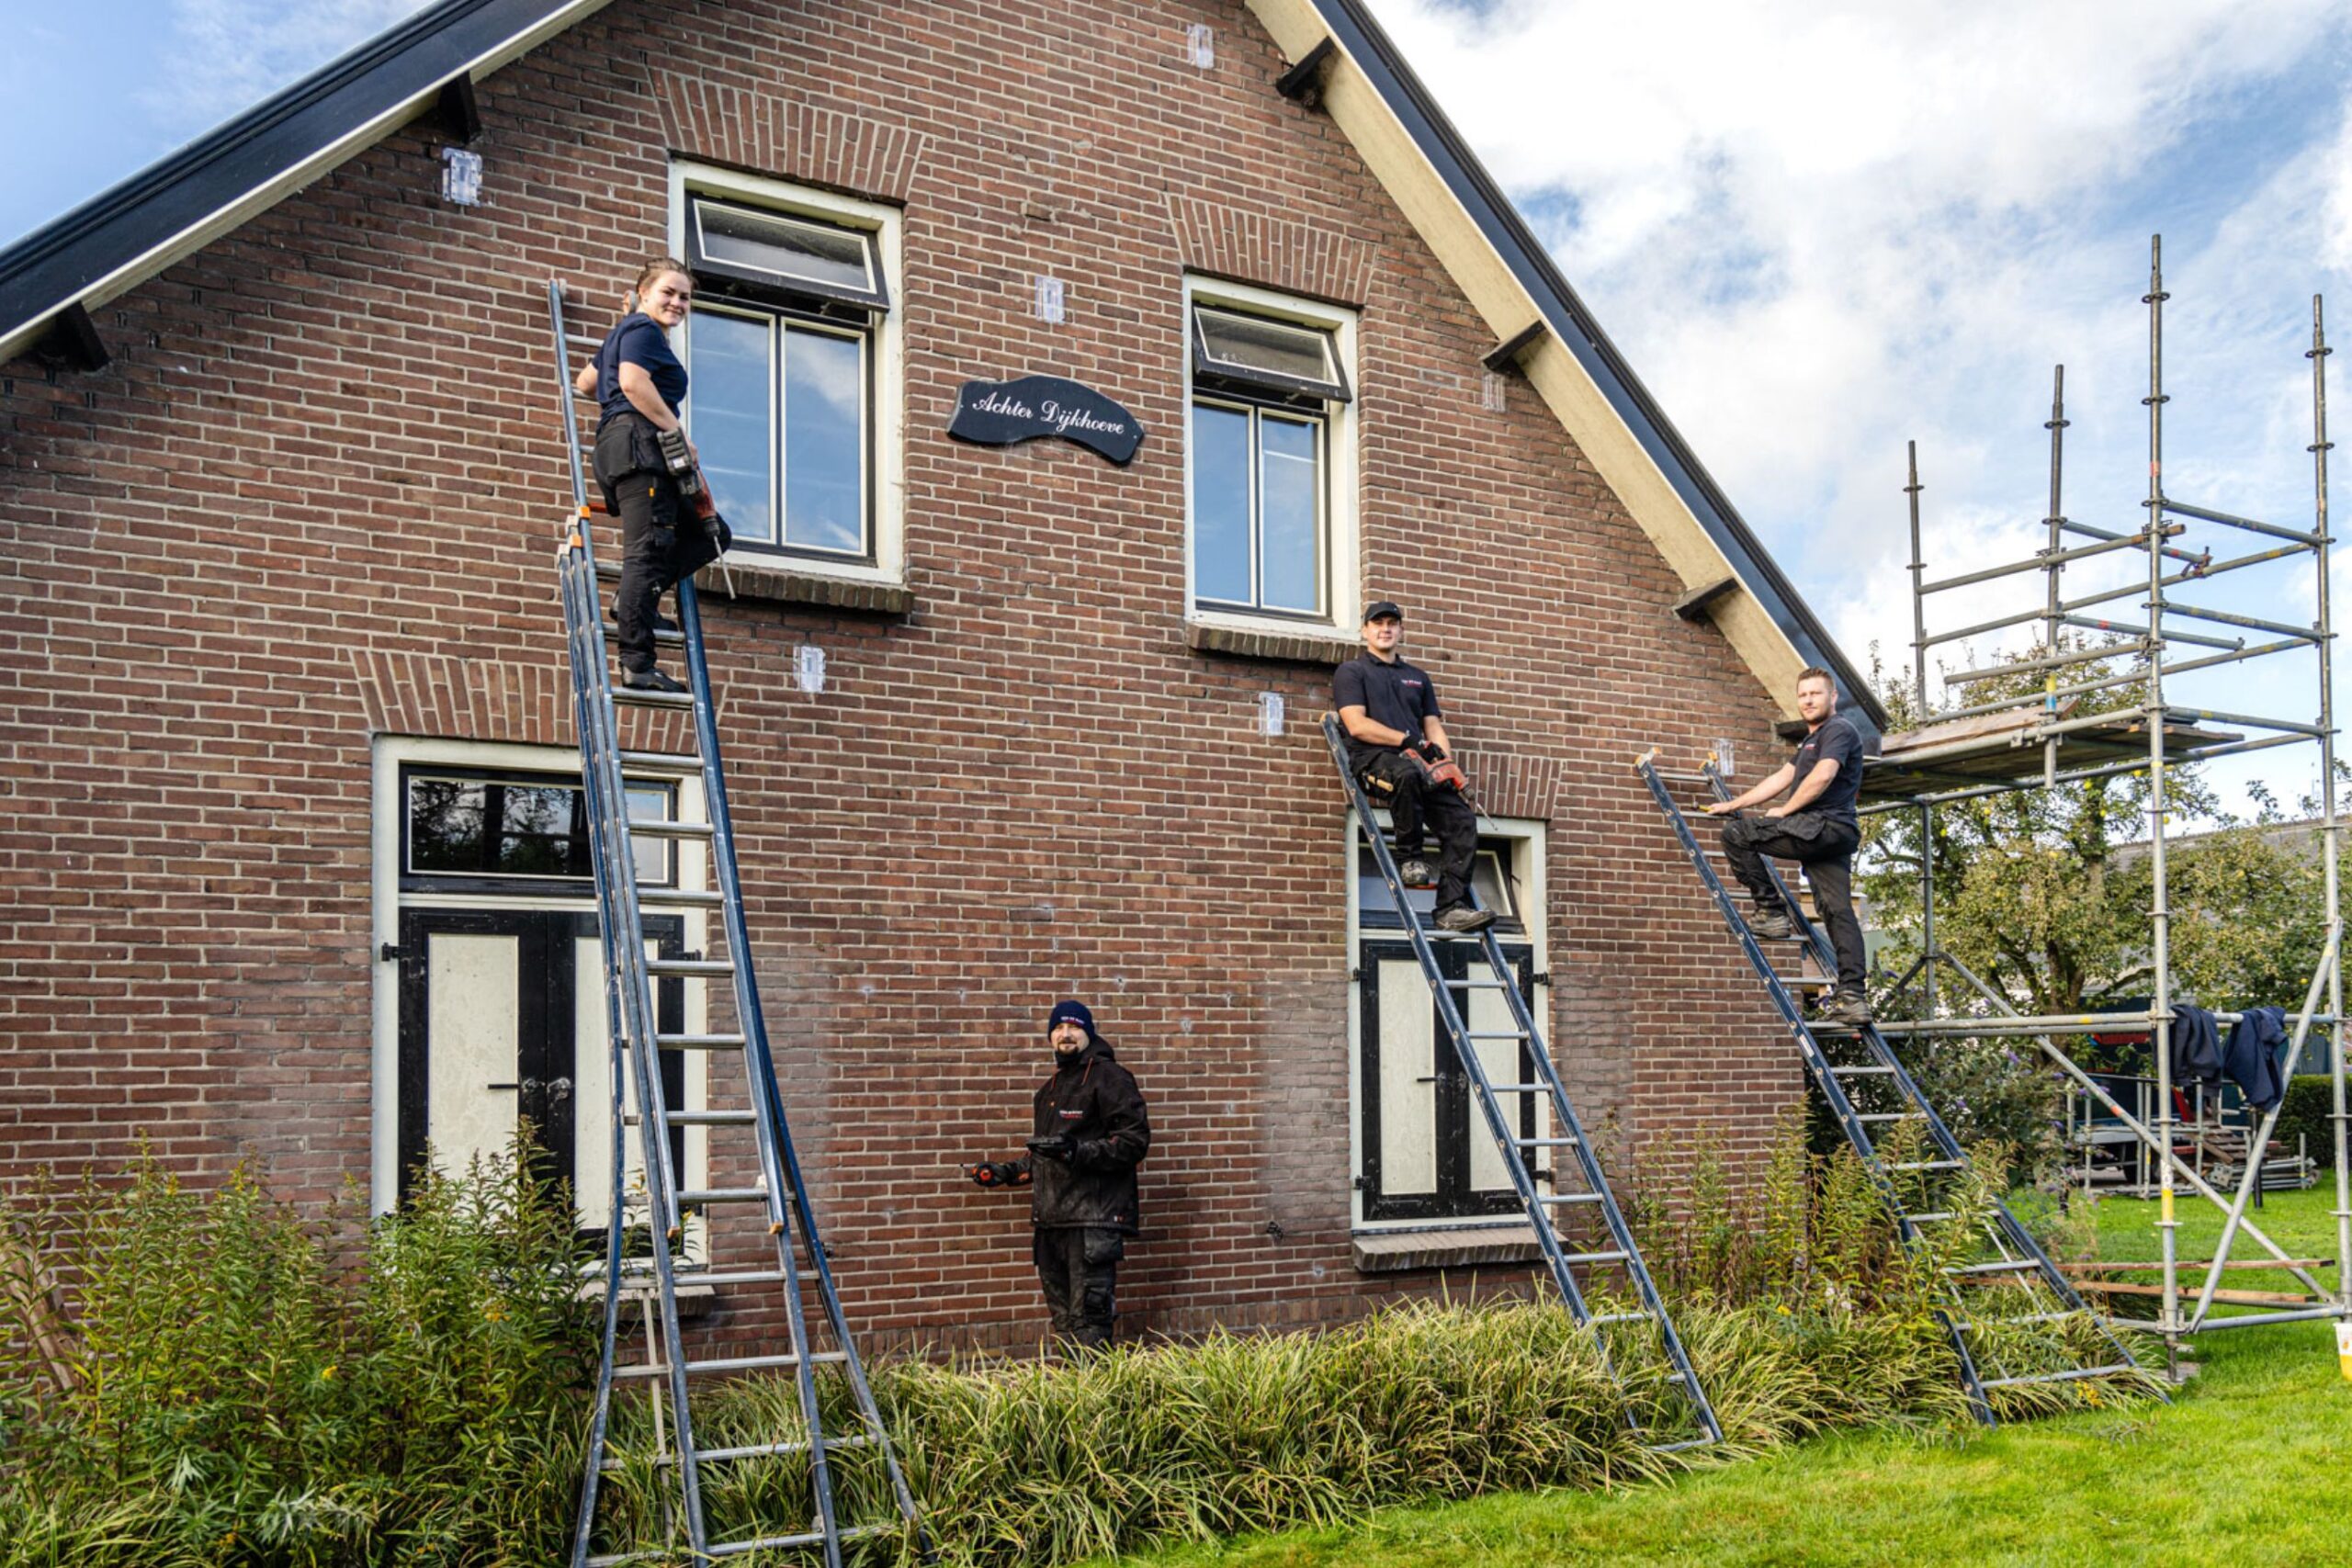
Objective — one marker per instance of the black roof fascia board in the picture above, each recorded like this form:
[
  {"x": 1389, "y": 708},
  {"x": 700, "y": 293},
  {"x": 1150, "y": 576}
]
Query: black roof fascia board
[
  {"x": 1377, "y": 56},
  {"x": 55, "y": 264}
]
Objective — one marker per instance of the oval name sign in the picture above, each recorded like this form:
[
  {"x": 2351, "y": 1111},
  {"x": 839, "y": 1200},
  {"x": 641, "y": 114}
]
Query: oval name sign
[{"x": 1000, "y": 414}]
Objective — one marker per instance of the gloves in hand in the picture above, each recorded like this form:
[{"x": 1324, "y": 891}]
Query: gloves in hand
[
  {"x": 1058, "y": 1148},
  {"x": 997, "y": 1173}
]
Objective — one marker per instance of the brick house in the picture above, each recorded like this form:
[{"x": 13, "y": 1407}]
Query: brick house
[{"x": 290, "y": 874}]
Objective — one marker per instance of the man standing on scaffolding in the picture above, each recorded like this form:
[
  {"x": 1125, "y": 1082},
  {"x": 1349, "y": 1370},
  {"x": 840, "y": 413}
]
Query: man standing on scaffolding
[
  {"x": 1396, "y": 731},
  {"x": 1817, "y": 828}
]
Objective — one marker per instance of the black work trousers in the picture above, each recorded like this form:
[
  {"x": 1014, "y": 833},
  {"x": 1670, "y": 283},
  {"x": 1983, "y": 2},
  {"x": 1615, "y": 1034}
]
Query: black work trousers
[
  {"x": 1417, "y": 806},
  {"x": 1078, "y": 1267},
  {"x": 654, "y": 557},
  {"x": 1825, "y": 847}
]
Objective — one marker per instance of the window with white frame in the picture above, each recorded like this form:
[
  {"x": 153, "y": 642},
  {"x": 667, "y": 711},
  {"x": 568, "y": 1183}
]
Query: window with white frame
[
  {"x": 792, "y": 355},
  {"x": 1271, "y": 500}
]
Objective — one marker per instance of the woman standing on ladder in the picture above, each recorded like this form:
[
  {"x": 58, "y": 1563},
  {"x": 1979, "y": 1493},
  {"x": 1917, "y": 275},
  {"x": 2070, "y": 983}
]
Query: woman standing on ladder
[{"x": 641, "y": 455}]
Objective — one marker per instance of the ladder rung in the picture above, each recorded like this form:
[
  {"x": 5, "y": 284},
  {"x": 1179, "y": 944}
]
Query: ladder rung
[
  {"x": 642, "y": 1277},
  {"x": 698, "y": 1041},
  {"x": 1678, "y": 1447},
  {"x": 769, "y": 1450},
  {"x": 1474, "y": 985},
  {"x": 722, "y": 1195},
  {"x": 1923, "y": 1219},
  {"x": 1807, "y": 982},
  {"x": 631, "y": 696},
  {"x": 610, "y": 571},
  {"x": 1928, "y": 1164},
  {"x": 1511, "y": 1034},
  {"x": 667, "y": 639},
  {"x": 1592, "y": 1257},
  {"x": 1545, "y": 1143},
  {"x": 660, "y": 762},
  {"x": 679, "y": 899},
  {"x": 727, "y": 1364},
  {"x": 2062, "y": 1377},
  {"x": 689, "y": 968},
  {"x": 2020, "y": 1266},
  {"x": 1856, "y": 1072},
  {"x": 1568, "y": 1198},
  {"x": 1519, "y": 1088},
  {"x": 2013, "y": 1322},
  {"x": 664, "y": 829},
  {"x": 1889, "y": 1115},
  {"x": 780, "y": 1542},
  {"x": 702, "y": 1117},
  {"x": 1603, "y": 1319}
]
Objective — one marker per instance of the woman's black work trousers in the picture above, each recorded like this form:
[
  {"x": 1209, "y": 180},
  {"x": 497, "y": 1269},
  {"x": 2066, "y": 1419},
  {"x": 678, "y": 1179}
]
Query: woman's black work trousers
[{"x": 639, "y": 490}]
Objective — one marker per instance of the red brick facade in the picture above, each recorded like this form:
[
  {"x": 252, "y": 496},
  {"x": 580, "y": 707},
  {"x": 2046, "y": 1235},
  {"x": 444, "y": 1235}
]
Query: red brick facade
[{"x": 315, "y": 496}]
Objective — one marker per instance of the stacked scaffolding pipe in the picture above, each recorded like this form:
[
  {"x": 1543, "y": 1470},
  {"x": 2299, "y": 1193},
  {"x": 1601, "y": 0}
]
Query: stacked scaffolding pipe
[{"x": 2147, "y": 645}]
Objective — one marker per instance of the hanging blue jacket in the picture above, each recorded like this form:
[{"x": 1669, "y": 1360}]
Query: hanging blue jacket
[
  {"x": 2251, "y": 1058},
  {"x": 2195, "y": 1046}
]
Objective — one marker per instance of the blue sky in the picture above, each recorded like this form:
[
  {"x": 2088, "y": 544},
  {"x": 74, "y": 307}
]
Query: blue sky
[{"x": 1817, "y": 230}]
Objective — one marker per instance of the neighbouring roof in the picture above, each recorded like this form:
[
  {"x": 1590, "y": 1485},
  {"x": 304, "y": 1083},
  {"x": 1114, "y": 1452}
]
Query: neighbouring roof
[{"x": 132, "y": 231}]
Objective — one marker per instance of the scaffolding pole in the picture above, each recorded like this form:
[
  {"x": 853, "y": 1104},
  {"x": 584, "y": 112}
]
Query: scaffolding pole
[{"x": 2146, "y": 645}]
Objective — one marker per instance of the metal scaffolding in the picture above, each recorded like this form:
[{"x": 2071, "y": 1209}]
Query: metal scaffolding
[{"x": 2033, "y": 742}]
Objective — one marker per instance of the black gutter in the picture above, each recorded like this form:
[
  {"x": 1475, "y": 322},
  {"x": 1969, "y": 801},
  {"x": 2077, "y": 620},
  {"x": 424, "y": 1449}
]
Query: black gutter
[
  {"x": 1384, "y": 66},
  {"x": 49, "y": 269}
]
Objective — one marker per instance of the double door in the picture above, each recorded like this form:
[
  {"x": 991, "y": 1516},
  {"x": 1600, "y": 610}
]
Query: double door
[
  {"x": 1427, "y": 1153},
  {"x": 502, "y": 1024}
]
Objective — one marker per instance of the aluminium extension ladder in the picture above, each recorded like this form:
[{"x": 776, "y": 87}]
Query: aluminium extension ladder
[
  {"x": 656, "y": 1207},
  {"x": 1543, "y": 1210},
  {"x": 1866, "y": 1067}
]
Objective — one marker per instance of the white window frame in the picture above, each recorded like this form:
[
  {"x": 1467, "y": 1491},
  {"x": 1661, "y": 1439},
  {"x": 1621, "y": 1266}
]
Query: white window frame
[
  {"x": 1342, "y": 547},
  {"x": 886, "y": 338},
  {"x": 387, "y": 829},
  {"x": 1526, "y": 835}
]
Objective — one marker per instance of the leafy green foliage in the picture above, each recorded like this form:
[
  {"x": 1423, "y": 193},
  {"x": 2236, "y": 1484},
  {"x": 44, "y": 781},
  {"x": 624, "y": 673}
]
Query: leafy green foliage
[
  {"x": 244, "y": 1385},
  {"x": 2310, "y": 1100}
]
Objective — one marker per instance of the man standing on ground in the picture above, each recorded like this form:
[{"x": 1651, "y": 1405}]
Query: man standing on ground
[
  {"x": 1089, "y": 1135},
  {"x": 1394, "y": 730},
  {"x": 1817, "y": 828}
]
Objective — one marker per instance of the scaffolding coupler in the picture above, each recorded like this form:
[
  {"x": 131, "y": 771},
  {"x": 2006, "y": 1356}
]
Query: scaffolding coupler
[
  {"x": 2004, "y": 1251},
  {"x": 1537, "y": 1081},
  {"x": 646, "y": 1256}
]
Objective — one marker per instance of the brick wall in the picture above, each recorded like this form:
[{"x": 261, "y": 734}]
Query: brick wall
[{"x": 314, "y": 499}]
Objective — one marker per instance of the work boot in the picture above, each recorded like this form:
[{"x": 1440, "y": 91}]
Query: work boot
[
  {"x": 1774, "y": 925},
  {"x": 650, "y": 681},
  {"x": 1462, "y": 918},
  {"x": 1851, "y": 1009},
  {"x": 1415, "y": 872}
]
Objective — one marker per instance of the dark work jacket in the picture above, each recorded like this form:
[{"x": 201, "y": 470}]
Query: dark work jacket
[
  {"x": 1092, "y": 1101},
  {"x": 2195, "y": 1046},
  {"x": 2250, "y": 1059}
]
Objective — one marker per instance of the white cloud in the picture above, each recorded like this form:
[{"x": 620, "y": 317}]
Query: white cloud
[
  {"x": 234, "y": 53},
  {"x": 1819, "y": 231}
]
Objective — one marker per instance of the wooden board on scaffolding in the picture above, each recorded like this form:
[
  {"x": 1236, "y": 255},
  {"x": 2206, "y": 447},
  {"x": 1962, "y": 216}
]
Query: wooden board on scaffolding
[{"x": 1964, "y": 753}]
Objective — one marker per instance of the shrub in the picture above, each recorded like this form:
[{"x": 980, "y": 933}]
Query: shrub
[
  {"x": 245, "y": 1385},
  {"x": 2310, "y": 1100}
]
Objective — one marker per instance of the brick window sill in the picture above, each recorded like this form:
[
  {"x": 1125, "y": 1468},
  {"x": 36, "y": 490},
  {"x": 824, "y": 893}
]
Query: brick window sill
[
  {"x": 774, "y": 582},
  {"x": 1385, "y": 1252},
  {"x": 1279, "y": 646}
]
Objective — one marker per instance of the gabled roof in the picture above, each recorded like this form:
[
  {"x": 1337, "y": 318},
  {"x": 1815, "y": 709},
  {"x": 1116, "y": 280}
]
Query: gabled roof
[
  {"x": 125, "y": 235},
  {"x": 129, "y": 233}
]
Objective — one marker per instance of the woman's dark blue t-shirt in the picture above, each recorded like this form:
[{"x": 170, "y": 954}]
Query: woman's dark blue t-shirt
[{"x": 639, "y": 339}]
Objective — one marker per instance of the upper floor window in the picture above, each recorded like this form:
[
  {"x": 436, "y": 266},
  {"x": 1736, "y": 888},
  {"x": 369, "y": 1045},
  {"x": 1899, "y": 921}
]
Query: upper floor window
[
  {"x": 1271, "y": 490},
  {"x": 781, "y": 347}
]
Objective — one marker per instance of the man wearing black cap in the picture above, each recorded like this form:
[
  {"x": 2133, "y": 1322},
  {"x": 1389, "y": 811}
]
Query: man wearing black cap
[
  {"x": 1091, "y": 1134},
  {"x": 1394, "y": 730}
]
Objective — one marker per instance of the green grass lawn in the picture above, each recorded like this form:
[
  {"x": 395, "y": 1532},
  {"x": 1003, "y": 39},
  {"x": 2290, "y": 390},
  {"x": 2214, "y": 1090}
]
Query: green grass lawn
[{"x": 2252, "y": 1464}]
